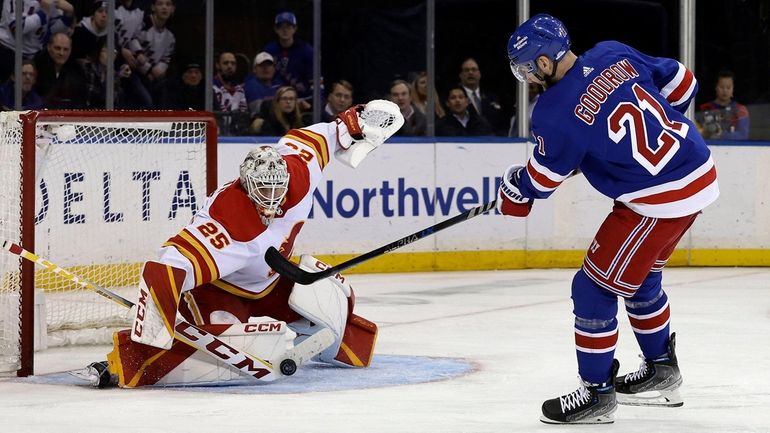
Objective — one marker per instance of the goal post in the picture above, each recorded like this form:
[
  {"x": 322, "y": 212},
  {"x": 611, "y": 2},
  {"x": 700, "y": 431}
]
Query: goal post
[{"x": 96, "y": 192}]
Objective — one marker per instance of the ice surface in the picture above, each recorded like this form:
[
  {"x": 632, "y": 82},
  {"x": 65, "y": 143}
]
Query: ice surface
[{"x": 513, "y": 327}]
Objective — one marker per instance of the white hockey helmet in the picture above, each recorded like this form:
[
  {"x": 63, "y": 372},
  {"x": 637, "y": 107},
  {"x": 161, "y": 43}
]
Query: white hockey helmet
[{"x": 266, "y": 179}]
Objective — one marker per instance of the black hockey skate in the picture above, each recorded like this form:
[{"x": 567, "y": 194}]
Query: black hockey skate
[
  {"x": 97, "y": 374},
  {"x": 591, "y": 403},
  {"x": 656, "y": 383}
]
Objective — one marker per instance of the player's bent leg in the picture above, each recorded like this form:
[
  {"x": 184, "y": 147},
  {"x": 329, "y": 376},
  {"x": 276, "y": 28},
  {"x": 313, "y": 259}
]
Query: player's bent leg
[
  {"x": 596, "y": 334},
  {"x": 138, "y": 364},
  {"x": 157, "y": 303},
  {"x": 649, "y": 314},
  {"x": 596, "y": 328},
  {"x": 655, "y": 383}
]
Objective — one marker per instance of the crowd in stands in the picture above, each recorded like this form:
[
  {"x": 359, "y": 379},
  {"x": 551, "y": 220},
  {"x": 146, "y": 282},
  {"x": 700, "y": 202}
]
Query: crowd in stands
[{"x": 65, "y": 67}]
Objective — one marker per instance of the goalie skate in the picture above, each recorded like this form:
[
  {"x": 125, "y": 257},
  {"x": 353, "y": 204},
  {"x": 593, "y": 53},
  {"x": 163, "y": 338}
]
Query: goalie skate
[
  {"x": 97, "y": 374},
  {"x": 655, "y": 383}
]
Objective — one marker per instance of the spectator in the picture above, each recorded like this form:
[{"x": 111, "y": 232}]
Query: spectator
[
  {"x": 533, "y": 91},
  {"x": 30, "y": 100},
  {"x": 420, "y": 99},
  {"x": 93, "y": 69},
  {"x": 284, "y": 114},
  {"x": 485, "y": 103},
  {"x": 414, "y": 121},
  {"x": 34, "y": 30},
  {"x": 128, "y": 23},
  {"x": 261, "y": 85},
  {"x": 293, "y": 57},
  {"x": 229, "y": 97},
  {"x": 59, "y": 81},
  {"x": 188, "y": 92},
  {"x": 61, "y": 19},
  {"x": 461, "y": 121},
  {"x": 339, "y": 99},
  {"x": 724, "y": 118},
  {"x": 85, "y": 38},
  {"x": 152, "y": 49}
]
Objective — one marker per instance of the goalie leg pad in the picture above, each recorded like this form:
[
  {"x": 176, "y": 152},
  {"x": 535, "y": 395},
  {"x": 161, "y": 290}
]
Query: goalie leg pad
[
  {"x": 140, "y": 365},
  {"x": 324, "y": 303},
  {"x": 357, "y": 347},
  {"x": 157, "y": 303}
]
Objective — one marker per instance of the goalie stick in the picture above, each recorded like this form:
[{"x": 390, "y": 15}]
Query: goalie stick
[
  {"x": 199, "y": 338},
  {"x": 285, "y": 267}
]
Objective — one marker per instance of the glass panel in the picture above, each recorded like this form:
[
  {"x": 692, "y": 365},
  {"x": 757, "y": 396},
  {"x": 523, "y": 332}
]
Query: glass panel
[
  {"x": 472, "y": 69},
  {"x": 739, "y": 47},
  {"x": 273, "y": 48},
  {"x": 378, "y": 47}
]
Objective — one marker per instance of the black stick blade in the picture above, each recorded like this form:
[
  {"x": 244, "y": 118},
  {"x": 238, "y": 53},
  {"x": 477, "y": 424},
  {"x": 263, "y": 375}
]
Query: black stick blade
[{"x": 288, "y": 269}]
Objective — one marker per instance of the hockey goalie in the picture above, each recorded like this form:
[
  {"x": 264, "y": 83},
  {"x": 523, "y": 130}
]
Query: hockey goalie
[{"x": 210, "y": 305}]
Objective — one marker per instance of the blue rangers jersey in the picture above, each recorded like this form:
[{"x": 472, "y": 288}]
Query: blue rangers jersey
[{"x": 617, "y": 115}]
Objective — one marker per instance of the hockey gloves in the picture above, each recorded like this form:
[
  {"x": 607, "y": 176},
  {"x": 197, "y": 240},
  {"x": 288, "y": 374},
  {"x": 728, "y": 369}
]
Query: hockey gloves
[{"x": 509, "y": 200}]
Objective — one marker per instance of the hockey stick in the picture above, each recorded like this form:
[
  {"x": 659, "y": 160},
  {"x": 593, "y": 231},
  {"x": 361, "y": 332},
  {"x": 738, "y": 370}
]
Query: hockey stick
[
  {"x": 34, "y": 258},
  {"x": 199, "y": 338},
  {"x": 284, "y": 267}
]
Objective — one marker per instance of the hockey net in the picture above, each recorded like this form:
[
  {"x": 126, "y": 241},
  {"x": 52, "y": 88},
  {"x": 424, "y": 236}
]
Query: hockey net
[{"x": 96, "y": 193}]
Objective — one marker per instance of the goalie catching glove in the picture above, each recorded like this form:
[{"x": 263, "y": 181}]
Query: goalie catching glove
[
  {"x": 363, "y": 128},
  {"x": 509, "y": 199}
]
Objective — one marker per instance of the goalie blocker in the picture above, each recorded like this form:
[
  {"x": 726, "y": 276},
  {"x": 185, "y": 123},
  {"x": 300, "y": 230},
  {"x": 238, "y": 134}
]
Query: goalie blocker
[{"x": 322, "y": 326}]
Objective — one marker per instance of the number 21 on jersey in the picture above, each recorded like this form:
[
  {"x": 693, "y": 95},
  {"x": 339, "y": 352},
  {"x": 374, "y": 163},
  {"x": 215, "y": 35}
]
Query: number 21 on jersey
[{"x": 628, "y": 120}]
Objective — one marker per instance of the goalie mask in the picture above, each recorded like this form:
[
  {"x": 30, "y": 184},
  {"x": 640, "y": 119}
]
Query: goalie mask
[{"x": 266, "y": 180}]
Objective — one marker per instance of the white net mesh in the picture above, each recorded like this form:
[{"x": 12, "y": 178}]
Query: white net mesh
[
  {"x": 108, "y": 195},
  {"x": 10, "y": 228}
]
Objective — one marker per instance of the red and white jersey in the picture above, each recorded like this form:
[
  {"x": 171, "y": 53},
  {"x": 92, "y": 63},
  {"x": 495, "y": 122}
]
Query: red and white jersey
[{"x": 225, "y": 242}]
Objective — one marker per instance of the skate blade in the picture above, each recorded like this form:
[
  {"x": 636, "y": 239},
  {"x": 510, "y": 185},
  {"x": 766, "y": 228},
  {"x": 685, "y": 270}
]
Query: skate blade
[
  {"x": 651, "y": 398},
  {"x": 604, "y": 419},
  {"x": 85, "y": 374},
  {"x": 607, "y": 418}
]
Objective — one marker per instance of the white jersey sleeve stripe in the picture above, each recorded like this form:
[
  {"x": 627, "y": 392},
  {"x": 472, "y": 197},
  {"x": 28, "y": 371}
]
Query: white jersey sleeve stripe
[
  {"x": 542, "y": 178},
  {"x": 679, "y": 89}
]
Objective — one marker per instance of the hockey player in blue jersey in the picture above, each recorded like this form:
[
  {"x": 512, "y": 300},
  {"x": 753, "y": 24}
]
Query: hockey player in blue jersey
[{"x": 616, "y": 115}]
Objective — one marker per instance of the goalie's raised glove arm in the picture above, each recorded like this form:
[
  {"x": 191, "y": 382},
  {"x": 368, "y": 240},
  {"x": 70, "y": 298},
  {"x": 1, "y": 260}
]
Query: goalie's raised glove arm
[
  {"x": 361, "y": 129},
  {"x": 509, "y": 199},
  {"x": 352, "y": 131}
]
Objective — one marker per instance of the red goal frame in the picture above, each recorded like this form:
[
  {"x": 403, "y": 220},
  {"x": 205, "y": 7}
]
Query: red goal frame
[{"x": 29, "y": 122}]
